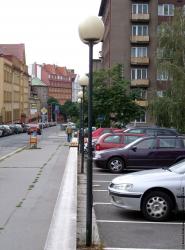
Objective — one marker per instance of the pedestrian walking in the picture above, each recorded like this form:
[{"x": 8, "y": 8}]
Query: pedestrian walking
[{"x": 69, "y": 132}]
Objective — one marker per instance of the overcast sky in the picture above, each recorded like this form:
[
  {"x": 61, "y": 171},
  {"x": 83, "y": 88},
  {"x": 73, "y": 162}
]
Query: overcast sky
[{"x": 49, "y": 30}]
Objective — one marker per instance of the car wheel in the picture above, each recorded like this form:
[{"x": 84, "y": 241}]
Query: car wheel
[
  {"x": 116, "y": 165},
  {"x": 157, "y": 206}
]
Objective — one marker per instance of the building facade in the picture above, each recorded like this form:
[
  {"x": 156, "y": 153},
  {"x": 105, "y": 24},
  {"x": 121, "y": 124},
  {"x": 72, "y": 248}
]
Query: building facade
[
  {"x": 14, "y": 84},
  {"x": 130, "y": 39},
  {"x": 58, "y": 79}
]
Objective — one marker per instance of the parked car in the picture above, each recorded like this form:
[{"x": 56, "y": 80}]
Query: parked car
[
  {"x": 1, "y": 133},
  {"x": 97, "y": 133},
  {"x": 100, "y": 131},
  {"x": 145, "y": 152},
  {"x": 156, "y": 193},
  {"x": 23, "y": 125},
  {"x": 6, "y": 129},
  {"x": 115, "y": 140},
  {"x": 34, "y": 127},
  {"x": 19, "y": 128},
  {"x": 151, "y": 131}
]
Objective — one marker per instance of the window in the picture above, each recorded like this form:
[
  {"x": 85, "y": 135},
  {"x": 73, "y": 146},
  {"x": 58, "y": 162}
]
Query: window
[
  {"x": 143, "y": 94},
  {"x": 130, "y": 138},
  {"x": 139, "y": 52},
  {"x": 140, "y": 30},
  {"x": 162, "y": 75},
  {"x": 138, "y": 73},
  {"x": 166, "y": 10},
  {"x": 160, "y": 93},
  {"x": 139, "y": 8},
  {"x": 136, "y": 131},
  {"x": 167, "y": 143},
  {"x": 147, "y": 144},
  {"x": 105, "y": 131},
  {"x": 113, "y": 139}
]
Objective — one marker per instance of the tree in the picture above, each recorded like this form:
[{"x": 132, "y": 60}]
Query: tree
[
  {"x": 170, "y": 109},
  {"x": 112, "y": 98},
  {"x": 70, "y": 110},
  {"x": 52, "y": 102}
]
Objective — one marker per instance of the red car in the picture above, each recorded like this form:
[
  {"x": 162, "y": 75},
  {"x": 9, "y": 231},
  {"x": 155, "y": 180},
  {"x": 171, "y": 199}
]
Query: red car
[
  {"x": 115, "y": 140},
  {"x": 100, "y": 131},
  {"x": 34, "y": 128}
]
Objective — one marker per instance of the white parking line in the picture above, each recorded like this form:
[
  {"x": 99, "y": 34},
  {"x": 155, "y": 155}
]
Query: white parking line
[
  {"x": 114, "y": 248},
  {"x": 102, "y": 181},
  {"x": 103, "y": 190},
  {"x": 106, "y": 174},
  {"x": 102, "y": 203},
  {"x": 139, "y": 222}
]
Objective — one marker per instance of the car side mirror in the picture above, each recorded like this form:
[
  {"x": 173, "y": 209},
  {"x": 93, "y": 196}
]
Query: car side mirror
[{"x": 134, "y": 148}]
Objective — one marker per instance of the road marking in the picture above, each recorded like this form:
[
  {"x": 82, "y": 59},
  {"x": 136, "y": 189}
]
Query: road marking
[
  {"x": 102, "y": 181},
  {"x": 102, "y": 203},
  {"x": 139, "y": 222},
  {"x": 100, "y": 190},
  {"x": 114, "y": 248},
  {"x": 12, "y": 153},
  {"x": 106, "y": 174}
]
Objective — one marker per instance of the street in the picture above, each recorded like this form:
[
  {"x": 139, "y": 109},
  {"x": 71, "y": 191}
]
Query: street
[
  {"x": 29, "y": 185},
  {"x": 121, "y": 229}
]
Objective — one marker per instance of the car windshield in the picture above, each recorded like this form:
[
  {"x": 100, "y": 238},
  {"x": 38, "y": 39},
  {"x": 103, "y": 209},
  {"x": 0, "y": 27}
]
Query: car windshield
[
  {"x": 133, "y": 143},
  {"x": 178, "y": 168}
]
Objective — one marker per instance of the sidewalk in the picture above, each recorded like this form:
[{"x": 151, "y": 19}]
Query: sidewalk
[{"x": 81, "y": 211}]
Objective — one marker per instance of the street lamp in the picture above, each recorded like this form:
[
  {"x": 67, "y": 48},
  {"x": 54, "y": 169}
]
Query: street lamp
[
  {"x": 83, "y": 81},
  {"x": 91, "y": 32}
]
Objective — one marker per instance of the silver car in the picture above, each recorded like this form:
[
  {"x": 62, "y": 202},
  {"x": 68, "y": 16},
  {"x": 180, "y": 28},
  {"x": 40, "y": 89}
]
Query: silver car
[{"x": 156, "y": 193}]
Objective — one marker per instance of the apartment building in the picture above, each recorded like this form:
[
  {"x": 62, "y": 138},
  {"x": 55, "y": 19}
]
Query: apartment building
[
  {"x": 14, "y": 84},
  {"x": 130, "y": 39},
  {"x": 58, "y": 79}
]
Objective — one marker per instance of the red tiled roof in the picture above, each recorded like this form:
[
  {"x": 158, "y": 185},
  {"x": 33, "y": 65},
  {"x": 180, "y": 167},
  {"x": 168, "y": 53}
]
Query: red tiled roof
[
  {"x": 54, "y": 69},
  {"x": 17, "y": 50}
]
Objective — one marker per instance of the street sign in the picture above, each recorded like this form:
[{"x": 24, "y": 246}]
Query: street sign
[{"x": 44, "y": 110}]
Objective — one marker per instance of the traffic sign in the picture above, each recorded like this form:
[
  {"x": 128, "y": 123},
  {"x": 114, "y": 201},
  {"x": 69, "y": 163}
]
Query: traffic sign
[{"x": 44, "y": 110}]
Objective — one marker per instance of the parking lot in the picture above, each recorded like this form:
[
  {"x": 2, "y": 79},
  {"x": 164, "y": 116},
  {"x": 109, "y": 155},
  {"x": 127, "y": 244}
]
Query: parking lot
[{"x": 120, "y": 229}]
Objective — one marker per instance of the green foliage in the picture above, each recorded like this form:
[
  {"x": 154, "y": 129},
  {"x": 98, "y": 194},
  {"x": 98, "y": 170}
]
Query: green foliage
[
  {"x": 169, "y": 110},
  {"x": 52, "y": 100},
  {"x": 112, "y": 98},
  {"x": 70, "y": 110}
]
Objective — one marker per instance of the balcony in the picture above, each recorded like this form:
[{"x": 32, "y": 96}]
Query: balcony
[
  {"x": 142, "y": 103},
  {"x": 140, "y": 83},
  {"x": 139, "y": 60},
  {"x": 140, "y": 17},
  {"x": 140, "y": 39}
]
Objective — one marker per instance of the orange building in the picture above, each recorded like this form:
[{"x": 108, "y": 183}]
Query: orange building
[{"x": 58, "y": 79}]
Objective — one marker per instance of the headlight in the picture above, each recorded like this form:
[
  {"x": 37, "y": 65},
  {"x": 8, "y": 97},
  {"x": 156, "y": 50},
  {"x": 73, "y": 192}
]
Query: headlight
[
  {"x": 123, "y": 186},
  {"x": 97, "y": 156}
]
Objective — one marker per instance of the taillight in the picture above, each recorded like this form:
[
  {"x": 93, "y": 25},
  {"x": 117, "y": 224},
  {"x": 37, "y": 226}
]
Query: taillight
[{"x": 97, "y": 147}]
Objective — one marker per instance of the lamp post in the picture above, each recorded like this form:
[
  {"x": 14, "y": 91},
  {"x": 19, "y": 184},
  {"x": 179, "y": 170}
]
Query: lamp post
[
  {"x": 80, "y": 96},
  {"x": 91, "y": 32},
  {"x": 83, "y": 81}
]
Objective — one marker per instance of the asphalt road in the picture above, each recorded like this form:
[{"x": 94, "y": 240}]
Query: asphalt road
[{"x": 120, "y": 229}]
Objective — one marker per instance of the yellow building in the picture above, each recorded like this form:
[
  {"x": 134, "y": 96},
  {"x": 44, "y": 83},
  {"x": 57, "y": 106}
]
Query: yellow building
[{"x": 14, "y": 85}]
